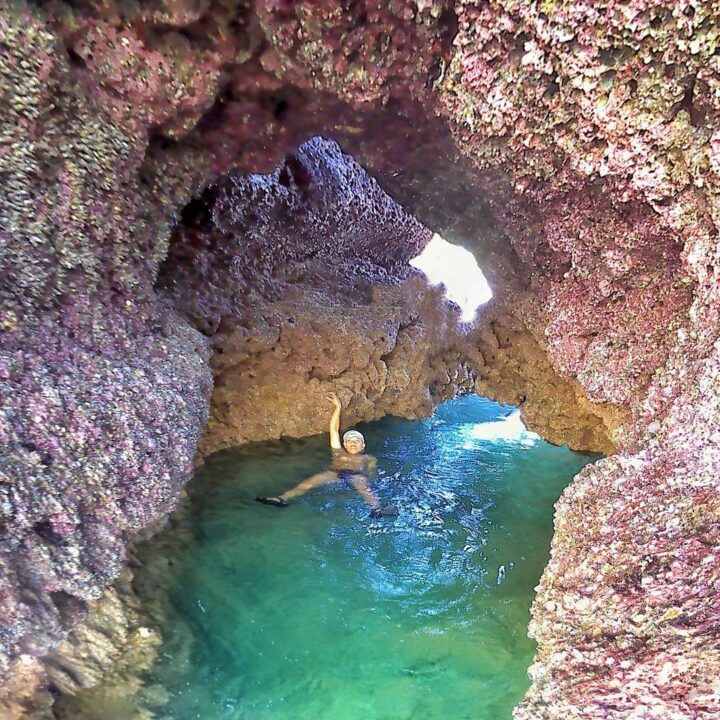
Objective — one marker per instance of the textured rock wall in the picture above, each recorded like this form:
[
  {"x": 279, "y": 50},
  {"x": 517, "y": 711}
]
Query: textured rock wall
[
  {"x": 615, "y": 162},
  {"x": 301, "y": 279},
  {"x": 590, "y": 194},
  {"x": 399, "y": 353},
  {"x": 103, "y": 388}
]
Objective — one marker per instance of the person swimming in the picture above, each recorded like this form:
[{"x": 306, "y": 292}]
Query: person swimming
[{"x": 349, "y": 463}]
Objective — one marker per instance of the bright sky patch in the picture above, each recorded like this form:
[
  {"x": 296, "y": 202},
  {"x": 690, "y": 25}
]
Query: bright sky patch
[{"x": 457, "y": 269}]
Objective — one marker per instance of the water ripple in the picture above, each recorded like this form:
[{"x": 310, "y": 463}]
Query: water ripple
[{"x": 318, "y": 612}]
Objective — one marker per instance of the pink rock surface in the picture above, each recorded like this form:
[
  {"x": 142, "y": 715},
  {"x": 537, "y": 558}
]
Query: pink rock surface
[
  {"x": 604, "y": 113},
  {"x": 592, "y": 131}
]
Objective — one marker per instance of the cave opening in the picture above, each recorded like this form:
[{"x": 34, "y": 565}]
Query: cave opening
[
  {"x": 313, "y": 278},
  {"x": 279, "y": 267},
  {"x": 458, "y": 270}
]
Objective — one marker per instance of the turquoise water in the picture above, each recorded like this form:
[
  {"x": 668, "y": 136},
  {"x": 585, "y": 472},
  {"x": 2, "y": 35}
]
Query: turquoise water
[{"x": 317, "y": 612}]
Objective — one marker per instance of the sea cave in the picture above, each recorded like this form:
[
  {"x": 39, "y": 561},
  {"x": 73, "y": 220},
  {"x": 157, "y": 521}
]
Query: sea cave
[{"x": 219, "y": 213}]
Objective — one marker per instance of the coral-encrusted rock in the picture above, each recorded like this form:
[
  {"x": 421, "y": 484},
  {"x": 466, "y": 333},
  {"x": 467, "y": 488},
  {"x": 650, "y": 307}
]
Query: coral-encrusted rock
[
  {"x": 632, "y": 622},
  {"x": 604, "y": 117},
  {"x": 103, "y": 389},
  {"x": 402, "y": 352},
  {"x": 101, "y": 412},
  {"x": 515, "y": 369},
  {"x": 74, "y": 213},
  {"x": 626, "y": 615},
  {"x": 591, "y": 90},
  {"x": 610, "y": 280},
  {"x": 250, "y": 234},
  {"x": 362, "y": 52}
]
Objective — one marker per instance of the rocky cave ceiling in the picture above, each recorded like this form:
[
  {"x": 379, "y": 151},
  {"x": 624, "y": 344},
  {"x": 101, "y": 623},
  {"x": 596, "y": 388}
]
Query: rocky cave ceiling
[{"x": 573, "y": 147}]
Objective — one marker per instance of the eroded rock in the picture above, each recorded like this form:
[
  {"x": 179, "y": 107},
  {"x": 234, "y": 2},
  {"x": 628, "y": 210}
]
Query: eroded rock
[
  {"x": 591, "y": 197},
  {"x": 302, "y": 280},
  {"x": 94, "y": 369}
]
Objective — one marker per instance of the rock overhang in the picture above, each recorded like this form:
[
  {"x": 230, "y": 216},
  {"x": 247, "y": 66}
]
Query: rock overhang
[{"x": 573, "y": 149}]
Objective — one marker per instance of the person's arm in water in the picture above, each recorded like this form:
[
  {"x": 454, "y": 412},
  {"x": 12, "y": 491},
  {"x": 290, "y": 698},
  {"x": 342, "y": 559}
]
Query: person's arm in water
[
  {"x": 361, "y": 484},
  {"x": 335, "y": 443}
]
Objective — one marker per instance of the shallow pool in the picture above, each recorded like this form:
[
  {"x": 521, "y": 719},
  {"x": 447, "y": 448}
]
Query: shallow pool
[{"x": 317, "y": 612}]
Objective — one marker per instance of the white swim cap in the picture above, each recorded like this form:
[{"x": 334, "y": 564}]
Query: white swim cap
[{"x": 353, "y": 435}]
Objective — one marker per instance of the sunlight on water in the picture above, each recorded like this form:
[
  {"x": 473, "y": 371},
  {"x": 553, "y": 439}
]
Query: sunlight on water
[
  {"x": 506, "y": 431},
  {"x": 317, "y": 612}
]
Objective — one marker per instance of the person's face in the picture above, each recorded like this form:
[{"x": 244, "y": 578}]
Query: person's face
[{"x": 354, "y": 446}]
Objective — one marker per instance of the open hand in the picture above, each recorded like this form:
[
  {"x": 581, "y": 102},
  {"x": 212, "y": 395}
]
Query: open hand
[{"x": 334, "y": 399}]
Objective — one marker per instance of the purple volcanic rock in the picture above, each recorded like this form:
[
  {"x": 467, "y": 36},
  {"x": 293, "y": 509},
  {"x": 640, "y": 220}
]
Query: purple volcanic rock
[
  {"x": 103, "y": 388},
  {"x": 102, "y": 410},
  {"x": 258, "y": 233}
]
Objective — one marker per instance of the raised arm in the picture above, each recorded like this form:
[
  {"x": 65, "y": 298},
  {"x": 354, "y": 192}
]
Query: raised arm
[{"x": 335, "y": 422}]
